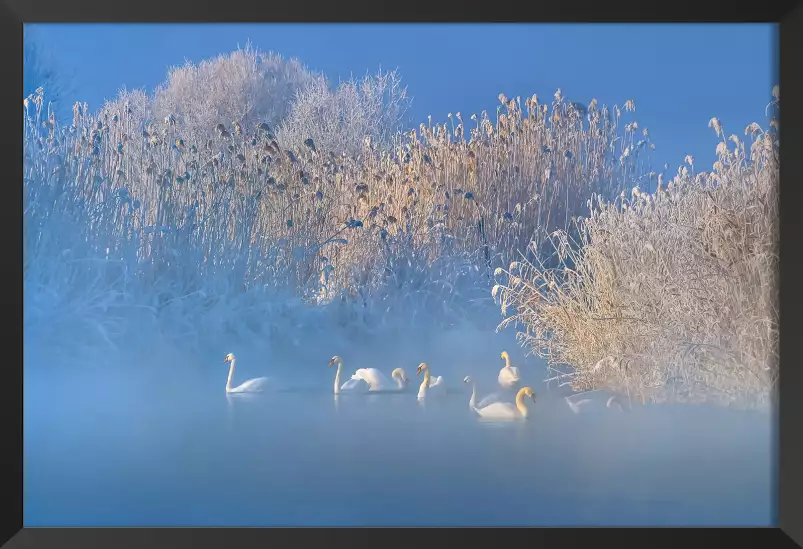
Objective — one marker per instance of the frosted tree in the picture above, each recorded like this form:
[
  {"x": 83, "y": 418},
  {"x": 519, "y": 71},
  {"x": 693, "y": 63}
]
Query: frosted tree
[
  {"x": 246, "y": 87},
  {"x": 339, "y": 119}
]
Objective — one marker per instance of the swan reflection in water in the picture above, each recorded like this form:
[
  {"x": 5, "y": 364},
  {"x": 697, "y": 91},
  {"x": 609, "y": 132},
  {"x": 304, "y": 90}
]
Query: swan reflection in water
[{"x": 238, "y": 399}]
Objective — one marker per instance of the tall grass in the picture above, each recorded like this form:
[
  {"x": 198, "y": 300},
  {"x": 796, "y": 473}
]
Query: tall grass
[
  {"x": 237, "y": 218},
  {"x": 671, "y": 295},
  {"x": 126, "y": 211}
]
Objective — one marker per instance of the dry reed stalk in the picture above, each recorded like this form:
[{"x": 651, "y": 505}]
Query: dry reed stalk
[
  {"x": 235, "y": 200},
  {"x": 666, "y": 296}
]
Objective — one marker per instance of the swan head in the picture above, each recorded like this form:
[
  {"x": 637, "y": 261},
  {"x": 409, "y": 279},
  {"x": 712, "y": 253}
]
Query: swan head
[
  {"x": 467, "y": 379},
  {"x": 229, "y": 358},
  {"x": 421, "y": 367},
  {"x": 398, "y": 373},
  {"x": 528, "y": 392},
  {"x": 504, "y": 355},
  {"x": 335, "y": 360}
]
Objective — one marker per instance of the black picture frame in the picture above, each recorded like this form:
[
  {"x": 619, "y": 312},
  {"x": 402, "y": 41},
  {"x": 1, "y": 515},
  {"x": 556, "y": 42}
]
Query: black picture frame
[{"x": 789, "y": 511}]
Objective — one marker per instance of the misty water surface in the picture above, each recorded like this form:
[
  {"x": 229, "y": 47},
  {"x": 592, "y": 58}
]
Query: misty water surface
[{"x": 132, "y": 453}]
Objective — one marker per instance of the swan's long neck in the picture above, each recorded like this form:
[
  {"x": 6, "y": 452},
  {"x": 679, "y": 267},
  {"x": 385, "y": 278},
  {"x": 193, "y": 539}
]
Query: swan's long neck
[
  {"x": 424, "y": 384},
  {"x": 399, "y": 379},
  {"x": 520, "y": 403},
  {"x": 507, "y": 363},
  {"x": 473, "y": 402},
  {"x": 231, "y": 375},
  {"x": 337, "y": 377}
]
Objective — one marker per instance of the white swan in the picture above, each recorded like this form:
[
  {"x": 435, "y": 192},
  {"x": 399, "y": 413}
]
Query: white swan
[
  {"x": 509, "y": 375},
  {"x": 506, "y": 410},
  {"x": 615, "y": 404},
  {"x": 577, "y": 407},
  {"x": 339, "y": 361},
  {"x": 377, "y": 382},
  {"x": 363, "y": 378},
  {"x": 490, "y": 399},
  {"x": 256, "y": 385},
  {"x": 429, "y": 383}
]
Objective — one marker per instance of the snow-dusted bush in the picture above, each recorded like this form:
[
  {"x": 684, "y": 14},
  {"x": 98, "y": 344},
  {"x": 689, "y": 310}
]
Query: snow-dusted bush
[
  {"x": 203, "y": 236},
  {"x": 339, "y": 119},
  {"x": 666, "y": 295},
  {"x": 246, "y": 86}
]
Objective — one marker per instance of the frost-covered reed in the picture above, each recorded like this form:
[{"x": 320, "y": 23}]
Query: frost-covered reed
[
  {"x": 260, "y": 222},
  {"x": 669, "y": 295}
]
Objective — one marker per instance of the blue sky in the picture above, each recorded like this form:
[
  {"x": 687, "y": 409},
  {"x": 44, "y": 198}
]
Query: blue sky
[{"x": 678, "y": 75}]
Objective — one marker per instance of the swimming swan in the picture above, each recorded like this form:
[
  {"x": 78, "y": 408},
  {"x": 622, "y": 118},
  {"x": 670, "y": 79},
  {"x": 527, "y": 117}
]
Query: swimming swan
[
  {"x": 509, "y": 375},
  {"x": 506, "y": 410},
  {"x": 615, "y": 404},
  {"x": 255, "y": 385},
  {"x": 578, "y": 406},
  {"x": 339, "y": 361},
  {"x": 428, "y": 383},
  {"x": 490, "y": 399},
  {"x": 377, "y": 382},
  {"x": 367, "y": 379}
]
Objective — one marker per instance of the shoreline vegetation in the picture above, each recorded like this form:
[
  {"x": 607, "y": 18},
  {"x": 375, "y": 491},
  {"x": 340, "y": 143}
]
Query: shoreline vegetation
[{"x": 247, "y": 197}]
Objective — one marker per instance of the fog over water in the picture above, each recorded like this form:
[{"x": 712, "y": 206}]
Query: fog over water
[{"x": 147, "y": 436}]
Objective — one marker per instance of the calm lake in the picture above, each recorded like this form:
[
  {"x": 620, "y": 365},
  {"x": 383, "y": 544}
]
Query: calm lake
[{"x": 191, "y": 456}]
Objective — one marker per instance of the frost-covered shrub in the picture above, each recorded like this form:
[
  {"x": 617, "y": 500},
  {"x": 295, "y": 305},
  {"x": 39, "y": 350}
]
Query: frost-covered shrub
[
  {"x": 339, "y": 119},
  {"x": 246, "y": 86},
  {"x": 666, "y": 295}
]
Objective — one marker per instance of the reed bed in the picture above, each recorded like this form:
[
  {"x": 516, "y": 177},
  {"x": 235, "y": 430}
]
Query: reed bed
[
  {"x": 145, "y": 218},
  {"x": 404, "y": 232},
  {"x": 670, "y": 295}
]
